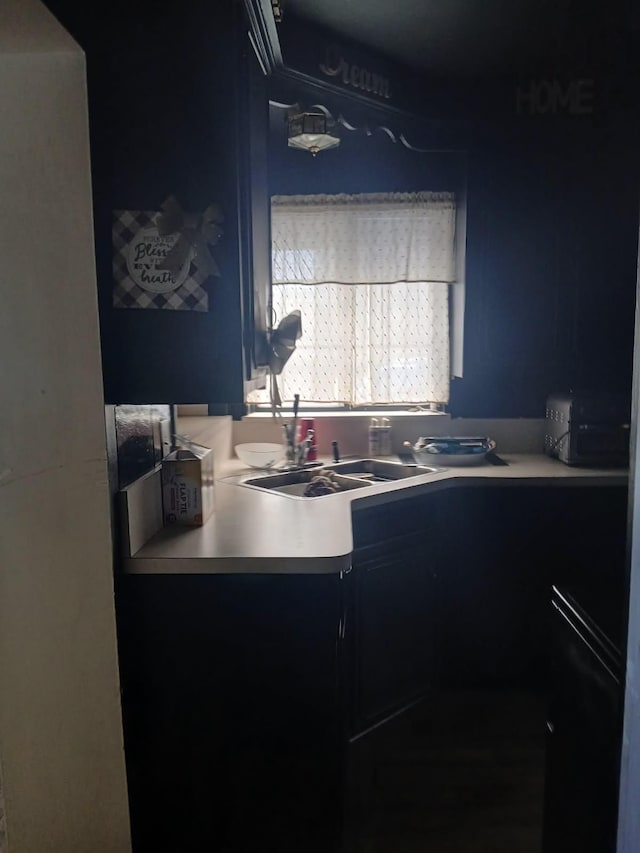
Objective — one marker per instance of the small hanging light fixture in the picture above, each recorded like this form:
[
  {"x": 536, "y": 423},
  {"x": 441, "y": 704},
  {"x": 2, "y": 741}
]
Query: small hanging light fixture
[{"x": 311, "y": 131}]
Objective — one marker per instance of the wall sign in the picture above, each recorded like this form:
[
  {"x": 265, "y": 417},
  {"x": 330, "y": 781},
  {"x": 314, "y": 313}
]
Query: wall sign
[
  {"x": 146, "y": 253},
  {"x": 552, "y": 97},
  {"x": 355, "y": 76},
  {"x": 161, "y": 259}
]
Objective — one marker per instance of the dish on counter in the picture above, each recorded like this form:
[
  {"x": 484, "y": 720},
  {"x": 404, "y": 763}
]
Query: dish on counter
[{"x": 452, "y": 451}]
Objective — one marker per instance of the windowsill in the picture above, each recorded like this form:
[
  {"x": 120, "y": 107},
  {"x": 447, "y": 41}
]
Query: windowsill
[
  {"x": 201, "y": 410},
  {"x": 336, "y": 413}
]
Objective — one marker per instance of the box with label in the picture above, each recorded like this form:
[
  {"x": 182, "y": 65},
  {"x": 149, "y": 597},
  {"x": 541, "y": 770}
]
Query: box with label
[{"x": 187, "y": 486}]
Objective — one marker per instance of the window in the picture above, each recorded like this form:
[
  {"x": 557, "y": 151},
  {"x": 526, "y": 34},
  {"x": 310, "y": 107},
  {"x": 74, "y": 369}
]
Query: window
[{"x": 371, "y": 275}]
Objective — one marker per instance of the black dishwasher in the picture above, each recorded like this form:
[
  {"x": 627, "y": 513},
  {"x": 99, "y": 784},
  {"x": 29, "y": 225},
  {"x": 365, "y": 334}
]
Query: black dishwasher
[{"x": 584, "y": 726}]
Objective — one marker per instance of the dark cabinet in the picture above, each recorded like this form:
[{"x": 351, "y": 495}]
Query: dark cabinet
[
  {"x": 178, "y": 107},
  {"x": 392, "y": 665},
  {"x": 232, "y": 710},
  {"x": 255, "y": 215},
  {"x": 493, "y": 589},
  {"x": 394, "y": 640}
]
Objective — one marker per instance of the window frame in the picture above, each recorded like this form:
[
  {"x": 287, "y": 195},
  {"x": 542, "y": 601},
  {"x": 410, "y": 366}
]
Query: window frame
[{"x": 457, "y": 301}]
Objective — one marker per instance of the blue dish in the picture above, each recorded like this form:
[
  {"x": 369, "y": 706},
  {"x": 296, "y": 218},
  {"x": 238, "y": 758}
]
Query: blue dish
[{"x": 449, "y": 450}]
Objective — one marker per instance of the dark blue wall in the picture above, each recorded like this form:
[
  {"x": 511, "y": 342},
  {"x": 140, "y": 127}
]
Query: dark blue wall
[{"x": 552, "y": 226}]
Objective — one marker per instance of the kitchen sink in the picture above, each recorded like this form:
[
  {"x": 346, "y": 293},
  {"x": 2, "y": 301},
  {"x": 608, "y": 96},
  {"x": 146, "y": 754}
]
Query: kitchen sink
[
  {"x": 294, "y": 483},
  {"x": 354, "y": 474},
  {"x": 380, "y": 471}
]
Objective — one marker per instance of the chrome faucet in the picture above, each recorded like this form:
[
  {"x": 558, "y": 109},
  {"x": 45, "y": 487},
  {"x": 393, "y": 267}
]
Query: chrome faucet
[
  {"x": 290, "y": 443},
  {"x": 297, "y": 451}
]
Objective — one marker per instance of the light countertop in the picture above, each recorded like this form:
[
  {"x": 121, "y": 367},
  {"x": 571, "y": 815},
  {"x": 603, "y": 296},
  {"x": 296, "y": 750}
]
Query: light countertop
[{"x": 257, "y": 531}]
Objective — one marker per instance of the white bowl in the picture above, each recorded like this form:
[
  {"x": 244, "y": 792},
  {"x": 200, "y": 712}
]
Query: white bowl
[{"x": 260, "y": 454}]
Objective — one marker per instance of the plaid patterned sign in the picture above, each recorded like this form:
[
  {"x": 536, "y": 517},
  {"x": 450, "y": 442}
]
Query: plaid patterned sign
[{"x": 138, "y": 251}]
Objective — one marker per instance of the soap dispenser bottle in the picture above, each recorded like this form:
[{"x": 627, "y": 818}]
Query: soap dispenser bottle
[
  {"x": 384, "y": 440},
  {"x": 374, "y": 437}
]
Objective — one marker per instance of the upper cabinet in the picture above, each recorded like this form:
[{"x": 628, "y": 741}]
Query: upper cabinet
[
  {"x": 255, "y": 232},
  {"x": 178, "y": 111}
]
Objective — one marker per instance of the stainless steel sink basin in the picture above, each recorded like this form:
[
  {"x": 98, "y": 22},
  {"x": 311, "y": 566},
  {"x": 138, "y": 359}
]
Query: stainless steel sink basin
[
  {"x": 380, "y": 471},
  {"x": 354, "y": 474},
  {"x": 293, "y": 483}
]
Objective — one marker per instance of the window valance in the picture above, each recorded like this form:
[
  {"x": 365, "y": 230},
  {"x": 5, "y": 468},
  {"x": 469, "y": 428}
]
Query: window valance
[{"x": 370, "y": 238}]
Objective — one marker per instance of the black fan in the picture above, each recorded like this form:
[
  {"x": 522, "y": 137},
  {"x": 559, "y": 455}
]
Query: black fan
[{"x": 282, "y": 345}]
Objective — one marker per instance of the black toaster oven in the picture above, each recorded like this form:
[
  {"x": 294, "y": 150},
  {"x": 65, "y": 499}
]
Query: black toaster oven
[{"x": 588, "y": 428}]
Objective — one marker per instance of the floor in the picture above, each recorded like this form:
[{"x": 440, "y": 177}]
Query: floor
[{"x": 461, "y": 774}]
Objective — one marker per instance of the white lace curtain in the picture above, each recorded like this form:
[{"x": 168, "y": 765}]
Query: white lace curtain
[{"x": 370, "y": 274}]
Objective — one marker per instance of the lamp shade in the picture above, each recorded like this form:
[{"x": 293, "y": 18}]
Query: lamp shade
[{"x": 311, "y": 132}]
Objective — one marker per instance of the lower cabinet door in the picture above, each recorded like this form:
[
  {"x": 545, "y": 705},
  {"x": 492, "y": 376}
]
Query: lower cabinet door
[{"x": 393, "y": 638}]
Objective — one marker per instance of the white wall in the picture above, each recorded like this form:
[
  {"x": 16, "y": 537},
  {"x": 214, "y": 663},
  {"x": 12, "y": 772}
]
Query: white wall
[{"x": 60, "y": 722}]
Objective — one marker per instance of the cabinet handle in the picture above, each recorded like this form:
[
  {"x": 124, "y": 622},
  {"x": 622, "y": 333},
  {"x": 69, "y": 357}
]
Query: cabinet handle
[
  {"x": 550, "y": 727},
  {"x": 342, "y": 626}
]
